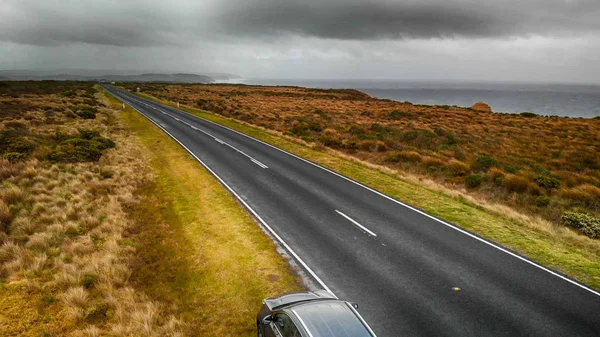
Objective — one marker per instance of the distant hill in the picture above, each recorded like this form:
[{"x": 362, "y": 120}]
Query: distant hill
[
  {"x": 26, "y": 75},
  {"x": 171, "y": 78}
]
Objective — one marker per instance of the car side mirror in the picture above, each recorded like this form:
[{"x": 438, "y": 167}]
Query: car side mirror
[
  {"x": 354, "y": 305},
  {"x": 267, "y": 320}
]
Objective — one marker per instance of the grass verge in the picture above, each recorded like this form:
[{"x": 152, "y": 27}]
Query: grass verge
[
  {"x": 199, "y": 252},
  {"x": 555, "y": 247}
]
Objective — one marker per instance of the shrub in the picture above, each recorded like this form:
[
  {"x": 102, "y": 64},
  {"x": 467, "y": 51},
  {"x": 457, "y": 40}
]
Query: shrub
[
  {"x": 403, "y": 156},
  {"x": 88, "y": 281},
  {"x": 97, "y": 314},
  {"x": 457, "y": 168},
  {"x": 584, "y": 223},
  {"x": 495, "y": 174},
  {"x": 5, "y": 216},
  {"x": 300, "y": 129},
  {"x": 321, "y": 113},
  {"x": 86, "y": 112},
  {"x": 528, "y": 114},
  {"x": 542, "y": 201},
  {"x": 514, "y": 183},
  {"x": 547, "y": 182},
  {"x": 483, "y": 163},
  {"x": 69, "y": 93},
  {"x": 396, "y": 114},
  {"x": 473, "y": 180},
  {"x": 372, "y": 146},
  {"x": 512, "y": 169},
  {"x": 48, "y": 299},
  {"x": 431, "y": 162},
  {"x": 88, "y": 134},
  {"x": 14, "y": 157},
  {"x": 587, "y": 194},
  {"x": 14, "y": 125},
  {"x": 330, "y": 141},
  {"x": 80, "y": 148}
]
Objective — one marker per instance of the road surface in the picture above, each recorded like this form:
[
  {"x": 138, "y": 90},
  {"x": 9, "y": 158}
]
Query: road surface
[{"x": 412, "y": 274}]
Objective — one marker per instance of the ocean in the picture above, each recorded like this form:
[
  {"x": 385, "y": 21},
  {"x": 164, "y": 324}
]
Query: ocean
[{"x": 572, "y": 100}]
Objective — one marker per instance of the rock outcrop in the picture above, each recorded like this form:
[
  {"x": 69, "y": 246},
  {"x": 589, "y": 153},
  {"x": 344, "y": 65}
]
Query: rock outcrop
[{"x": 481, "y": 106}]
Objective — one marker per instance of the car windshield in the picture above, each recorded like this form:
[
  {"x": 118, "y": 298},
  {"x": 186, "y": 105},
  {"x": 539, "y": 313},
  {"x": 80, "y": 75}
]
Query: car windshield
[{"x": 331, "y": 319}]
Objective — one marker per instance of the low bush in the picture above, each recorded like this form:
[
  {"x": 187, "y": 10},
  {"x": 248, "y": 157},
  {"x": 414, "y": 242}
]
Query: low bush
[
  {"x": 14, "y": 157},
  {"x": 330, "y": 141},
  {"x": 5, "y": 216},
  {"x": 14, "y": 146},
  {"x": 372, "y": 146},
  {"x": 473, "y": 180},
  {"x": 86, "y": 111},
  {"x": 88, "y": 281},
  {"x": 528, "y": 114},
  {"x": 587, "y": 194},
  {"x": 483, "y": 163},
  {"x": 514, "y": 183},
  {"x": 14, "y": 125},
  {"x": 85, "y": 147},
  {"x": 69, "y": 93},
  {"x": 403, "y": 156},
  {"x": 432, "y": 162},
  {"x": 457, "y": 168},
  {"x": 542, "y": 201},
  {"x": 495, "y": 174},
  {"x": 547, "y": 182},
  {"x": 584, "y": 223},
  {"x": 513, "y": 169},
  {"x": 396, "y": 115}
]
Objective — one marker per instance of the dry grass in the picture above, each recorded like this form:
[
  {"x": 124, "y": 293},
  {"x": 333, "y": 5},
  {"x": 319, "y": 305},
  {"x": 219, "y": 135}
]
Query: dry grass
[
  {"x": 442, "y": 143},
  {"x": 64, "y": 269}
]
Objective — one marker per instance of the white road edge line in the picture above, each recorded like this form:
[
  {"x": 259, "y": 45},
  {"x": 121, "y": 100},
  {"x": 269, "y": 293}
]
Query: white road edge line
[
  {"x": 262, "y": 222},
  {"x": 356, "y": 223},
  {"x": 411, "y": 208}
]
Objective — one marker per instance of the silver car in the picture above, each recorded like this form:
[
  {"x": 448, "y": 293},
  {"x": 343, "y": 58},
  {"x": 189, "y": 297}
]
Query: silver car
[{"x": 310, "y": 314}]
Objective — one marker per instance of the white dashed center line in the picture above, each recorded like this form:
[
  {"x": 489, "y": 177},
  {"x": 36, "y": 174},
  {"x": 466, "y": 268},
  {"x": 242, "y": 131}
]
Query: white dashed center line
[{"x": 365, "y": 229}]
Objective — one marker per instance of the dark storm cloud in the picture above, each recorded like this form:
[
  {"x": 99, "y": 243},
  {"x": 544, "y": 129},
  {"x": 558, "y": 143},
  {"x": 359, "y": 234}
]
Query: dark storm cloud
[
  {"x": 380, "y": 19},
  {"x": 155, "y": 23}
]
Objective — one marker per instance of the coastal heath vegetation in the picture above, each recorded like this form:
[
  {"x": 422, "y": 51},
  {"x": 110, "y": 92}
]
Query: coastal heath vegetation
[{"x": 67, "y": 179}]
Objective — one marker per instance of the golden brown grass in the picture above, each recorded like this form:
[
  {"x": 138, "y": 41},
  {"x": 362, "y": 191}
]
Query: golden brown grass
[
  {"x": 443, "y": 143},
  {"x": 64, "y": 269}
]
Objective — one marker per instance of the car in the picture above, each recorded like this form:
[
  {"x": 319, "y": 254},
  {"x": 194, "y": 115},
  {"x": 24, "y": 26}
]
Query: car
[{"x": 310, "y": 314}]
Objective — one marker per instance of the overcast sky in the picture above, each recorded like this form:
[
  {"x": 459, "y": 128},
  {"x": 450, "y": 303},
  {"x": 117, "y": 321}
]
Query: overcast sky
[{"x": 518, "y": 40}]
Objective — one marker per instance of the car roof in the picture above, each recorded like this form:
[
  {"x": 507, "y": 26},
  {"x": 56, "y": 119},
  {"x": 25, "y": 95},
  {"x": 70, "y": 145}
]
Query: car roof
[
  {"x": 292, "y": 298},
  {"x": 330, "y": 318}
]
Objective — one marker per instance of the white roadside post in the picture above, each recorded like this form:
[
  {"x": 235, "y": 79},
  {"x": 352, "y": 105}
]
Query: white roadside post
[
  {"x": 178, "y": 104},
  {"x": 123, "y": 106}
]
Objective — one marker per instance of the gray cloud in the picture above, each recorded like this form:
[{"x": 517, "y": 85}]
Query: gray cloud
[
  {"x": 381, "y": 19},
  {"x": 152, "y": 23}
]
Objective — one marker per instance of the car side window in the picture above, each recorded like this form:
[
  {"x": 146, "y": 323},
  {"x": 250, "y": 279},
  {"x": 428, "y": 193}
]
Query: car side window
[{"x": 286, "y": 326}]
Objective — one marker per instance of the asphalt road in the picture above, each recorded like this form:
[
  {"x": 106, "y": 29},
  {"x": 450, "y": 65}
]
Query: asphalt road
[{"x": 403, "y": 267}]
